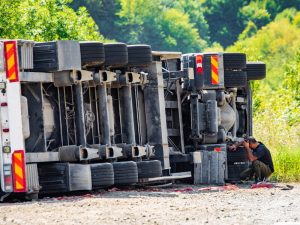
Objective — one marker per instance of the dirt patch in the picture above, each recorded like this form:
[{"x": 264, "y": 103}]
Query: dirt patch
[{"x": 180, "y": 204}]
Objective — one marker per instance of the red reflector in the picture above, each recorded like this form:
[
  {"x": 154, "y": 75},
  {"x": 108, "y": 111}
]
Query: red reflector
[
  {"x": 7, "y": 180},
  {"x": 19, "y": 176},
  {"x": 217, "y": 149},
  {"x": 3, "y": 103},
  {"x": 5, "y": 130},
  {"x": 199, "y": 64}
]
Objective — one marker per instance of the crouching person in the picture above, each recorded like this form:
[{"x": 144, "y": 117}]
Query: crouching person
[{"x": 262, "y": 164}]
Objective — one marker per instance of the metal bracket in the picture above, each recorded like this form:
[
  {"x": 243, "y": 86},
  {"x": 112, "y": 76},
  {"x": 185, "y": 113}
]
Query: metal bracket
[
  {"x": 185, "y": 73},
  {"x": 108, "y": 152},
  {"x": 133, "y": 77},
  {"x": 104, "y": 76},
  {"x": 81, "y": 75},
  {"x": 113, "y": 152},
  {"x": 74, "y": 153},
  {"x": 140, "y": 151}
]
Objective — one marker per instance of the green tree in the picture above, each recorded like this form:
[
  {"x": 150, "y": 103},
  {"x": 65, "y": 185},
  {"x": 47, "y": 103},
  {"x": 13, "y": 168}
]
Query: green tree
[
  {"x": 259, "y": 13},
  {"x": 255, "y": 12},
  {"x": 180, "y": 33},
  {"x": 276, "y": 44},
  {"x": 276, "y": 99},
  {"x": 223, "y": 19},
  {"x": 163, "y": 28},
  {"x": 44, "y": 20},
  {"x": 104, "y": 13},
  {"x": 249, "y": 31},
  {"x": 194, "y": 9},
  {"x": 228, "y": 18}
]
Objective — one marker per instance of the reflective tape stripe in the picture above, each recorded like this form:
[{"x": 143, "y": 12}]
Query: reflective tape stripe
[
  {"x": 18, "y": 165},
  {"x": 214, "y": 69},
  {"x": 11, "y": 61}
]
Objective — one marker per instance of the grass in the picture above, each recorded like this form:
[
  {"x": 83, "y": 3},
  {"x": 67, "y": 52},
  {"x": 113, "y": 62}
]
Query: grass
[
  {"x": 287, "y": 164},
  {"x": 283, "y": 140}
]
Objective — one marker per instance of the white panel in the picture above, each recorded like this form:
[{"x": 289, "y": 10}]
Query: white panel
[
  {"x": 15, "y": 116},
  {"x": 1, "y": 57}
]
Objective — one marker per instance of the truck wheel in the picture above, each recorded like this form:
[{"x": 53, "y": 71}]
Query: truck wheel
[
  {"x": 149, "y": 169},
  {"x": 126, "y": 173},
  {"x": 139, "y": 55},
  {"x": 235, "y": 61},
  {"x": 92, "y": 53},
  {"x": 102, "y": 175},
  {"x": 32, "y": 196},
  {"x": 256, "y": 70},
  {"x": 116, "y": 54},
  {"x": 235, "y": 78},
  {"x": 234, "y": 171}
]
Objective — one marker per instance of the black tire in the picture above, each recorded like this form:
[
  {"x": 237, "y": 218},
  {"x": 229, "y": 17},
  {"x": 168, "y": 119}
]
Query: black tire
[
  {"x": 102, "y": 175},
  {"x": 92, "y": 53},
  {"x": 139, "y": 55},
  {"x": 256, "y": 70},
  {"x": 53, "y": 177},
  {"x": 126, "y": 173},
  {"x": 235, "y": 78},
  {"x": 234, "y": 61},
  {"x": 149, "y": 169},
  {"x": 32, "y": 196},
  {"x": 234, "y": 171},
  {"x": 116, "y": 54}
]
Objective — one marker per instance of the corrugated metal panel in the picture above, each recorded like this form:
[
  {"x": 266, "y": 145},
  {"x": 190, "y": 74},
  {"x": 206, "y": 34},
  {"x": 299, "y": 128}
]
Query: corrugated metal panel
[
  {"x": 32, "y": 178},
  {"x": 210, "y": 168},
  {"x": 25, "y": 51}
]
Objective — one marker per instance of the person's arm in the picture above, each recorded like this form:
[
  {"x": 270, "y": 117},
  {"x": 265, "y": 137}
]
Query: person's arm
[
  {"x": 250, "y": 155},
  {"x": 234, "y": 146}
]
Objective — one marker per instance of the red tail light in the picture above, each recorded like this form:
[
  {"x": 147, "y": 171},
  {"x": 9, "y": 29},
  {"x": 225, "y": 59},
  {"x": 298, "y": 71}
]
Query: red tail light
[
  {"x": 199, "y": 64},
  {"x": 217, "y": 149}
]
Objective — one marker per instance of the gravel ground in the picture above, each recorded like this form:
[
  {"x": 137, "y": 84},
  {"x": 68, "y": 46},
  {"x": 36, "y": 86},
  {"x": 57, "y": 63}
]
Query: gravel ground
[{"x": 180, "y": 204}]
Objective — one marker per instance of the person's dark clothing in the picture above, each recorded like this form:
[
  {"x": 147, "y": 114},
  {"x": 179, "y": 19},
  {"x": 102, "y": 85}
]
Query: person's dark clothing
[
  {"x": 261, "y": 168},
  {"x": 263, "y": 154},
  {"x": 258, "y": 169}
]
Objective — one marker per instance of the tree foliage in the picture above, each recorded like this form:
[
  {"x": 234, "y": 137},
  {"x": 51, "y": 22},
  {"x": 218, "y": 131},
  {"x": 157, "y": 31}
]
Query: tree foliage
[
  {"x": 215, "y": 21},
  {"x": 44, "y": 20},
  {"x": 277, "y": 98},
  {"x": 223, "y": 19},
  {"x": 104, "y": 12},
  {"x": 163, "y": 28}
]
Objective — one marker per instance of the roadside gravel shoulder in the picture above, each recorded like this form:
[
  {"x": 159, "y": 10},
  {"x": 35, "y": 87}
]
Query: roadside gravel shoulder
[{"x": 180, "y": 204}]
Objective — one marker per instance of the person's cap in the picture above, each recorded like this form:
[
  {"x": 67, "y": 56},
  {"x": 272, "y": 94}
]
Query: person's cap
[{"x": 250, "y": 139}]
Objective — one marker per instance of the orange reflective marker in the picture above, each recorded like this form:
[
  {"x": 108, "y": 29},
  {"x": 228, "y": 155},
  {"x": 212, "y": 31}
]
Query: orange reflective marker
[
  {"x": 19, "y": 176},
  {"x": 11, "y": 61},
  {"x": 214, "y": 69}
]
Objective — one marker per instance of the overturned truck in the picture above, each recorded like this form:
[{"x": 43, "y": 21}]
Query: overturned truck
[{"x": 86, "y": 115}]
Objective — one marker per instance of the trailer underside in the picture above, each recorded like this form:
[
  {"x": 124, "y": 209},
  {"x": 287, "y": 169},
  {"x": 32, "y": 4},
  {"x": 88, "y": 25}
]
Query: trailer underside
[{"x": 89, "y": 123}]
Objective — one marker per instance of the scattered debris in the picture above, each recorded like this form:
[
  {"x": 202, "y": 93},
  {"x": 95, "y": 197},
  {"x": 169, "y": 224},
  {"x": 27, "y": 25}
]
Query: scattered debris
[
  {"x": 221, "y": 188},
  {"x": 287, "y": 187},
  {"x": 262, "y": 185},
  {"x": 188, "y": 189}
]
